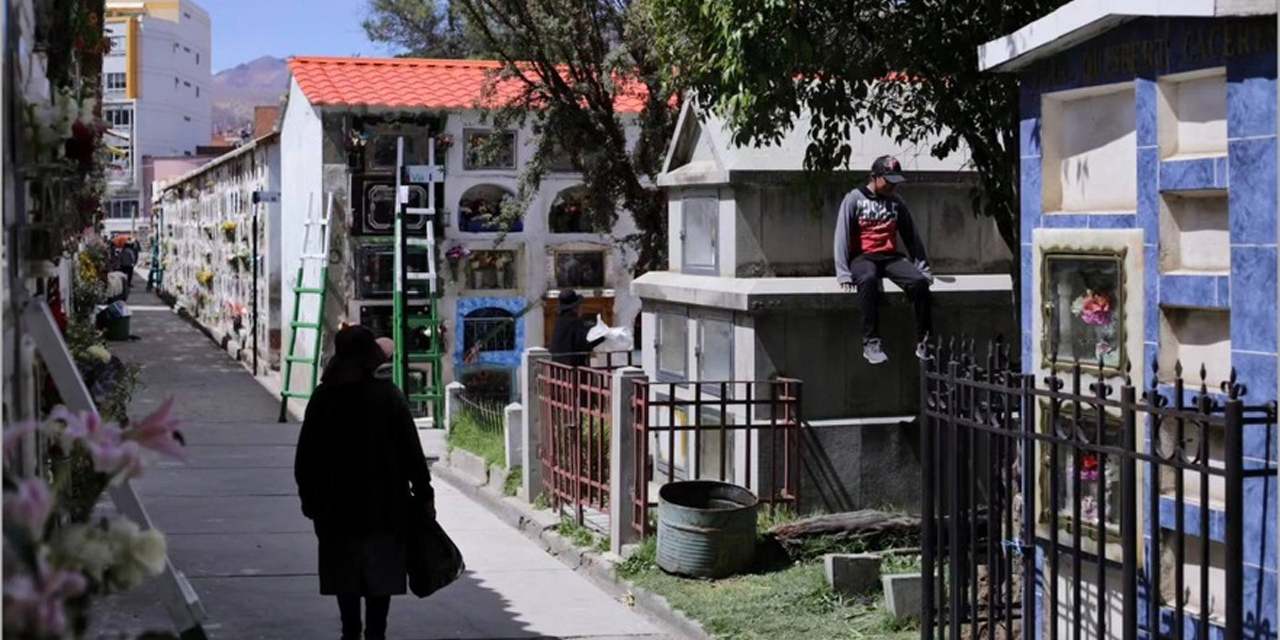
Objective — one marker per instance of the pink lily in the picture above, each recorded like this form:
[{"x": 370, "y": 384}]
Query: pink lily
[
  {"x": 29, "y": 506},
  {"x": 159, "y": 432},
  {"x": 35, "y": 603},
  {"x": 123, "y": 458},
  {"x": 14, "y": 434},
  {"x": 87, "y": 426}
]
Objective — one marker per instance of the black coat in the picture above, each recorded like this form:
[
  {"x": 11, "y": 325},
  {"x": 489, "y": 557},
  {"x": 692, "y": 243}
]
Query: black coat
[
  {"x": 569, "y": 344},
  {"x": 358, "y": 454}
]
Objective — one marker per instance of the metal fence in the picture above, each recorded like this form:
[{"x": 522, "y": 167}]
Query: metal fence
[
  {"x": 1095, "y": 498},
  {"x": 691, "y": 430},
  {"x": 485, "y": 412},
  {"x": 575, "y": 407}
]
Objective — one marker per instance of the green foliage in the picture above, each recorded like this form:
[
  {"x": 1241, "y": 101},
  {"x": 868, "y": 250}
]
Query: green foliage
[
  {"x": 514, "y": 478},
  {"x": 468, "y": 435},
  {"x": 568, "y": 62},
  {"x": 896, "y": 563},
  {"x": 761, "y": 63},
  {"x": 645, "y": 558},
  {"x": 421, "y": 29},
  {"x": 577, "y": 534}
]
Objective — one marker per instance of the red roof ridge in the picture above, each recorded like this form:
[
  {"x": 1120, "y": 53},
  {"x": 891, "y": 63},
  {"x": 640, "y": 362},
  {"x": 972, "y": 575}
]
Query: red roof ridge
[{"x": 409, "y": 62}]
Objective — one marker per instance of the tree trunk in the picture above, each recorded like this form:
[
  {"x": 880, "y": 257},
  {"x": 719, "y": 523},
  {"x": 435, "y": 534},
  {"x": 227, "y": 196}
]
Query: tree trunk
[{"x": 867, "y": 525}]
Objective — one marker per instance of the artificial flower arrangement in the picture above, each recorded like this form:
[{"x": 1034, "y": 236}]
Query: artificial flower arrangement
[
  {"x": 444, "y": 142},
  {"x": 454, "y": 255},
  {"x": 57, "y": 561},
  {"x": 229, "y": 230},
  {"x": 205, "y": 278},
  {"x": 1094, "y": 308}
]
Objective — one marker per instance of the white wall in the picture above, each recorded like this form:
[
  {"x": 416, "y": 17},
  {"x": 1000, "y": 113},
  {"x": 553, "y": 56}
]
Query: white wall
[{"x": 301, "y": 147}]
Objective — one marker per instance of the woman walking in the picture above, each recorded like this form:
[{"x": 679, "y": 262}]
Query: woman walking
[{"x": 358, "y": 455}]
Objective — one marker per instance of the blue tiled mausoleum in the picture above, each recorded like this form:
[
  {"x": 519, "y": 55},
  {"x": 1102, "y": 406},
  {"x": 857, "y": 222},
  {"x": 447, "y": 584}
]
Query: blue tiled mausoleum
[{"x": 1149, "y": 139}]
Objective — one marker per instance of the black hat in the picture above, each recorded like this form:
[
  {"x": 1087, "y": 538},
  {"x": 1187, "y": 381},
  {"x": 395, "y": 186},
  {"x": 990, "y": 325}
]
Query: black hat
[
  {"x": 890, "y": 168},
  {"x": 569, "y": 299},
  {"x": 356, "y": 354}
]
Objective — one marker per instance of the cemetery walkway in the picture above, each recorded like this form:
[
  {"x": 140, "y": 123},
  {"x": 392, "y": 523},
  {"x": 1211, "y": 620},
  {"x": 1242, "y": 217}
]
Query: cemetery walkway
[{"x": 233, "y": 523}]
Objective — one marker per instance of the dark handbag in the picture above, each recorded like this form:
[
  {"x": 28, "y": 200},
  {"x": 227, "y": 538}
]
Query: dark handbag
[{"x": 434, "y": 562}]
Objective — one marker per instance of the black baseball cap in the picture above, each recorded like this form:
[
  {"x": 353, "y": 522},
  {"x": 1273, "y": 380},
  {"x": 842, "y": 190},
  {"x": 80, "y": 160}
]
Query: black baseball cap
[{"x": 890, "y": 168}]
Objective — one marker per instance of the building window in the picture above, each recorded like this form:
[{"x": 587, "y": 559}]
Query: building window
[
  {"x": 501, "y": 157},
  {"x": 491, "y": 328},
  {"x": 673, "y": 345},
  {"x": 118, "y": 44},
  {"x": 700, "y": 237},
  {"x": 122, "y": 209},
  {"x": 118, "y": 117},
  {"x": 114, "y": 82}
]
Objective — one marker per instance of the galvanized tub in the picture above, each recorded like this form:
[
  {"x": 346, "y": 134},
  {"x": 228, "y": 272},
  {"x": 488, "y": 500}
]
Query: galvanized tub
[{"x": 706, "y": 529}]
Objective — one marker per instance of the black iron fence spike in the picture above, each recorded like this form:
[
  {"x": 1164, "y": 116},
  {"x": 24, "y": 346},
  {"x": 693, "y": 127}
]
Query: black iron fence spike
[{"x": 1177, "y": 368}]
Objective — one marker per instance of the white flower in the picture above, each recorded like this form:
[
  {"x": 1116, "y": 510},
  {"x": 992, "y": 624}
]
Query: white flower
[{"x": 88, "y": 549}]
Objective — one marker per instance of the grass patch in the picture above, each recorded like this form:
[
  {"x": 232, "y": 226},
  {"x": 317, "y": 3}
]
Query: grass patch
[
  {"x": 782, "y": 596},
  {"x": 895, "y": 564},
  {"x": 581, "y": 536},
  {"x": 514, "y": 477},
  {"x": 793, "y": 603},
  {"x": 466, "y": 433}
]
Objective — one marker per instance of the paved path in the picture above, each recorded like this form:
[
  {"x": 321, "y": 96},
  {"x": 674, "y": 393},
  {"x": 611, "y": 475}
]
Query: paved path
[{"x": 233, "y": 523}]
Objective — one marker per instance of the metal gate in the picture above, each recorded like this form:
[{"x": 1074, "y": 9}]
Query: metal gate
[{"x": 1073, "y": 508}]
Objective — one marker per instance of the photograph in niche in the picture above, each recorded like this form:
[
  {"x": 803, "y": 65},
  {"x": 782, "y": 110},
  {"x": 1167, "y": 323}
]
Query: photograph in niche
[
  {"x": 580, "y": 269},
  {"x": 1083, "y": 298}
]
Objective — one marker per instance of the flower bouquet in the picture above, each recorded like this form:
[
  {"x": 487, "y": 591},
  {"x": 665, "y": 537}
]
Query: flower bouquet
[
  {"x": 454, "y": 255},
  {"x": 1096, "y": 309},
  {"x": 444, "y": 142},
  {"x": 58, "y": 558},
  {"x": 205, "y": 278},
  {"x": 229, "y": 231}
]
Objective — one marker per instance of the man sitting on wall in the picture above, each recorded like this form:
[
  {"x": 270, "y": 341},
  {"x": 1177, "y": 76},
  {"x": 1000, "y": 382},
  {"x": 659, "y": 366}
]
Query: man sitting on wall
[{"x": 867, "y": 249}]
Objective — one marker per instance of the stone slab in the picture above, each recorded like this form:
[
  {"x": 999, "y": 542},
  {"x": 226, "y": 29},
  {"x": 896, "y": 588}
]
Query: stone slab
[
  {"x": 852, "y": 574},
  {"x": 903, "y": 595},
  {"x": 470, "y": 465}
]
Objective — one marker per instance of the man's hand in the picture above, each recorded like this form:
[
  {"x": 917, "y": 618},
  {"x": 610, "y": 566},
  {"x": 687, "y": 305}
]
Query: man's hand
[
  {"x": 925, "y": 270},
  {"x": 846, "y": 287}
]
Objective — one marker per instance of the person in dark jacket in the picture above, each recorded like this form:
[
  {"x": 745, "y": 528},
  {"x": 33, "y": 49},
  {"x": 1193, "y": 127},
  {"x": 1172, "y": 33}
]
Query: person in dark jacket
[
  {"x": 866, "y": 249},
  {"x": 569, "y": 343},
  {"x": 358, "y": 456}
]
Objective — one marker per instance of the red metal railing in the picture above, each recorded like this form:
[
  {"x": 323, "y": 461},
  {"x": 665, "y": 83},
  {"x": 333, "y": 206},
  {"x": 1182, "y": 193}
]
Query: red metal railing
[
  {"x": 752, "y": 429},
  {"x": 575, "y": 407}
]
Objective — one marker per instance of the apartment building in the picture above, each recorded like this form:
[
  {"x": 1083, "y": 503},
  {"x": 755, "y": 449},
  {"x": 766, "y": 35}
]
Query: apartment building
[{"x": 157, "y": 85}]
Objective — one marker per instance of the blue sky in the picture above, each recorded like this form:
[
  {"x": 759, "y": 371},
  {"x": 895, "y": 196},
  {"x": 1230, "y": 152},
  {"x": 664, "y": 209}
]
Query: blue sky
[{"x": 247, "y": 29}]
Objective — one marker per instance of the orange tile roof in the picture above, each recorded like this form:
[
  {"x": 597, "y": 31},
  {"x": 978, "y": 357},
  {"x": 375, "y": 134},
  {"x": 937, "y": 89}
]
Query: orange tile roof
[{"x": 409, "y": 82}]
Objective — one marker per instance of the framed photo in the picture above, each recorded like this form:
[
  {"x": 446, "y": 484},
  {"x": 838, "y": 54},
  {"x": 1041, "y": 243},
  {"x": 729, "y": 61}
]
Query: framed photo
[{"x": 1083, "y": 300}]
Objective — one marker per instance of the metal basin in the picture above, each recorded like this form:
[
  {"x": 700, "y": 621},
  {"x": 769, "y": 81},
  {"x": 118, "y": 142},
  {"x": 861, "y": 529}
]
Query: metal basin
[{"x": 706, "y": 529}]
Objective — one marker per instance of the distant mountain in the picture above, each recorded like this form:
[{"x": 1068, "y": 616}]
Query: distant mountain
[{"x": 236, "y": 91}]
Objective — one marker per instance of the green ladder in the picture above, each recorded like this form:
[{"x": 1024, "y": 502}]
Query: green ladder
[
  {"x": 316, "y": 326},
  {"x": 416, "y": 328}
]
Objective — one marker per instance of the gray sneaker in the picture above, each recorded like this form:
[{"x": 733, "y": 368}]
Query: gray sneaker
[{"x": 872, "y": 352}]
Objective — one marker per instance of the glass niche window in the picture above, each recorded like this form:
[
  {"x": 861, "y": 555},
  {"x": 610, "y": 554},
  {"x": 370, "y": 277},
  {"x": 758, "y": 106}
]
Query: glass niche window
[
  {"x": 715, "y": 350},
  {"x": 700, "y": 237},
  {"x": 568, "y": 214},
  {"x": 480, "y": 210},
  {"x": 579, "y": 269},
  {"x": 491, "y": 270},
  {"x": 1083, "y": 295},
  {"x": 491, "y": 328},
  {"x": 673, "y": 345},
  {"x": 483, "y": 152}
]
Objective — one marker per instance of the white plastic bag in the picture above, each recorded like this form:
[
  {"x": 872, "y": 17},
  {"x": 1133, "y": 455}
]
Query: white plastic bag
[{"x": 615, "y": 338}]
